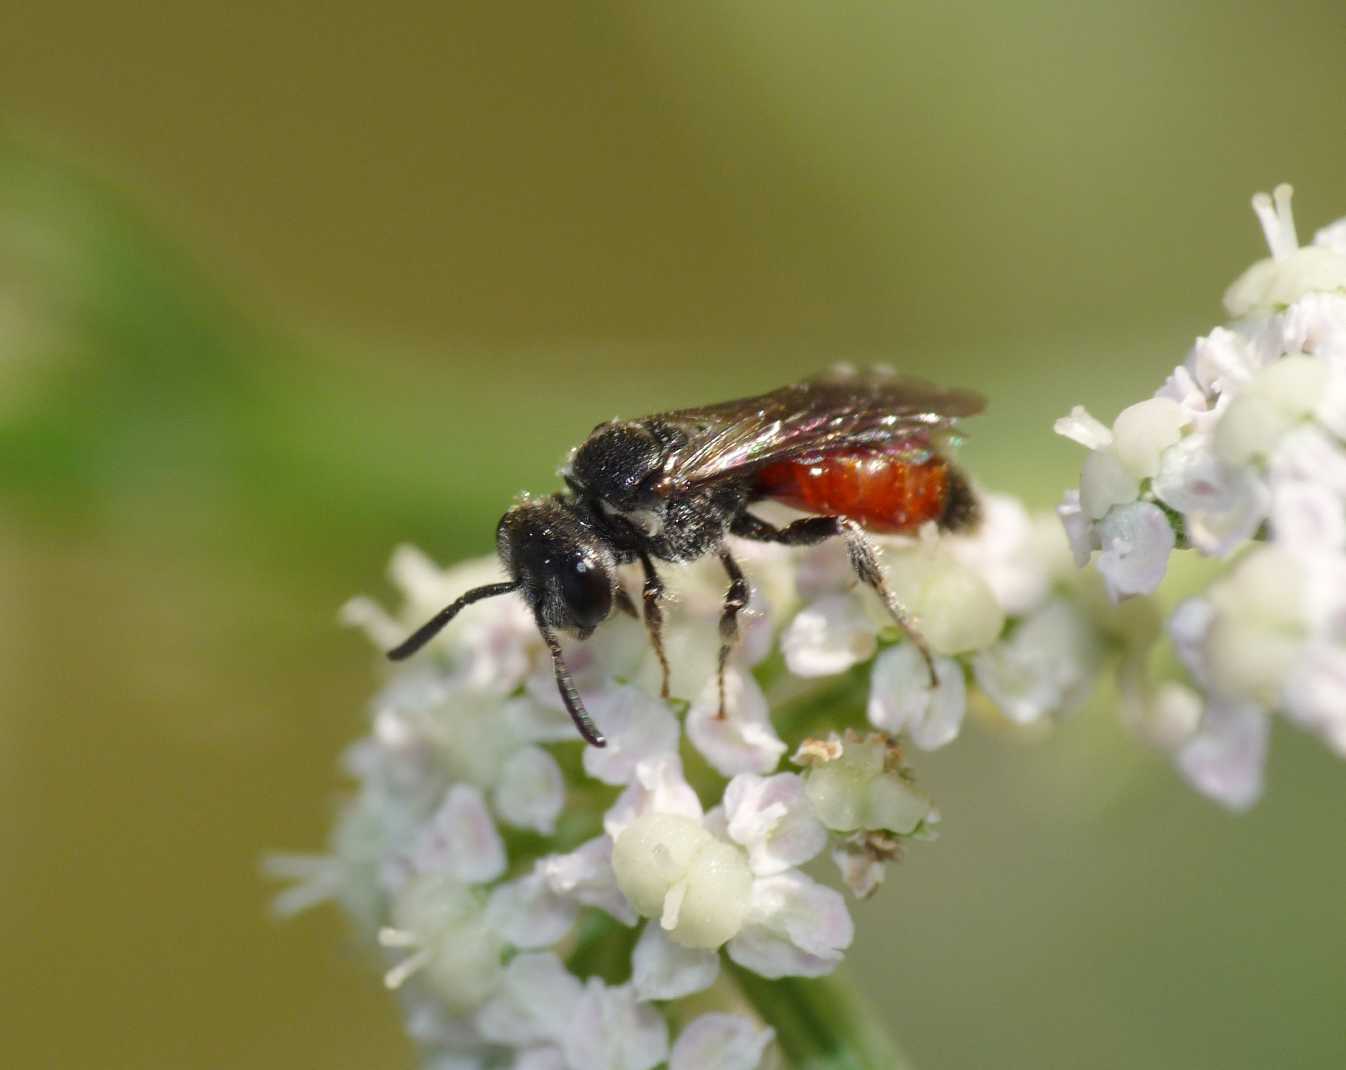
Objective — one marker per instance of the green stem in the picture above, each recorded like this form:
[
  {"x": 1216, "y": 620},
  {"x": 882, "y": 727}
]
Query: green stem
[
  {"x": 819, "y": 708},
  {"x": 822, "y": 1023}
]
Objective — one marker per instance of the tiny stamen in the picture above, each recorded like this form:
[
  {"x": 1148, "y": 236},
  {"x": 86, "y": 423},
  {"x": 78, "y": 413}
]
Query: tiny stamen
[
  {"x": 1278, "y": 221},
  {"x": 1282, "y": 195},
  {"x": 397, "y": 938},
  {"x": 673, "y": 906},
  {"x": 397, "y": 976},
  {"x": 315, "y": 879}
]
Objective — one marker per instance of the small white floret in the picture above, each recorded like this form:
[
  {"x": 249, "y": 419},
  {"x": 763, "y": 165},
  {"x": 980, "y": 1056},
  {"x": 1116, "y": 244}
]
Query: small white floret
[
  {"x": 1188, "y": 628},
  {"x": 828, "y": 637},
  {"x": 1258, "y": 624},
  {"x": 461, "y": 840},
  {"x": 1307, "y": 517},
  {"x": 1225, "y": 758},
  {"x": 1250, "y": 429},
  {"x": 1105, "y": 482},
  {"x": 1222, "y": 361},
  {"x": 528, "y": 914},
  {"x": 1083, "y": 428},
  {"x": 661, "y": 969},
  {"x": 548, "y": 1058},
  {"x": 442, "y": 926},
  {"x": 1316, "y": 324},
  {"x": 1173, "y": 717},
  {"x": 720, "y": 1042},
  {"x": 1315, "y": 694},
  {"x": 1143, "y": 431},
  {"x": 796, "y": 928},
  {"x": 1079, "y": 529},
  {"x": 902, "y": 700},
  {"x": 637, "y": 725},
  {"x": 531, "y": 791},
  {"x": 1294, "y": 384},
  {"x": 771, "y": 818},
  {"x": 1292, "y": 271},
  {"x": 955, "y": 608},
  {"x": 1223, "y": 504},
  {"x": 371, "y": 618},
  {"x": 1135, "y": 542},
  {"x": 658, "y": 787},
  {"x": 535, "y": 1003},
  {"x": 1048, "y": 664},
  {"x": 614, "y": 1030},
  {"x": 1181, "y": 387},
  {"x": 1332, "y": 236},
  {"x": 586, "y": 876},
  {"x": 1310, "y": 454},
  {"x": 744, "y": 739},
  {"x": 1005, "y": 552}
]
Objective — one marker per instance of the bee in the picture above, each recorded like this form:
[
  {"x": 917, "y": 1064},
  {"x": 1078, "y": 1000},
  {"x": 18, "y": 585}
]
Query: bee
[{"x": 860, "y": 450}]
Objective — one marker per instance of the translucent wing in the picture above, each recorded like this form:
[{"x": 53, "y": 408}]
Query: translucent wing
[{"x": 842, "y": 407}]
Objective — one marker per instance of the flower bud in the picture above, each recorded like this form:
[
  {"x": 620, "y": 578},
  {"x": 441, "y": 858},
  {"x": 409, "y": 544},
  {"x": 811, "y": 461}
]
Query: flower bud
[
  {"x": 1250, "y": 429},
  {"x": 1143, "y": 431},
  {"x": 1105, "y": 482},
  {"x": 453, "y": 950},
  {"x": 957, "y": 610},
  {"x": 863, "y": 789},
  {"x": 671, "y": 868},
  {"x": 1272, "y": 284},
  {"x": 1294, "y": 384}
]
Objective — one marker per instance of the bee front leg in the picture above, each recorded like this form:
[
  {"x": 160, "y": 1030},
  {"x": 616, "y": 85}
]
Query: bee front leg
[
  {"x": 815, "y": 529},
  {"x": 625, "y": 604},
  {"x": 734, "y": 601},
  {"x": 654, "y": 617},
  {"x": 570, "y": 695}
]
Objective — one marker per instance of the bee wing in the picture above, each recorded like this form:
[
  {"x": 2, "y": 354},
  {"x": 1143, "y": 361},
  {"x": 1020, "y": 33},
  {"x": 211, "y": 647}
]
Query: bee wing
[{"x": 842, "y": 407}]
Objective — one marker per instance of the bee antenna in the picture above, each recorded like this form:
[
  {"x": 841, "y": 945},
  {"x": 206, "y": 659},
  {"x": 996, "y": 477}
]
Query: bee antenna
[
  {"x": 435, "y": 624},
  {"x": 569, "y": 694}
]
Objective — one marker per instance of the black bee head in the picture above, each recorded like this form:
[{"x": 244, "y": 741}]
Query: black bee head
[
  {"x": 615, "y": 462},
  {"x": 566, "y": 572}
]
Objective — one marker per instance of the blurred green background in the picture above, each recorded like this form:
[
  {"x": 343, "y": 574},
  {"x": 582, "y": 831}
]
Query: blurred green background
[{"x": 282, "y": 286}]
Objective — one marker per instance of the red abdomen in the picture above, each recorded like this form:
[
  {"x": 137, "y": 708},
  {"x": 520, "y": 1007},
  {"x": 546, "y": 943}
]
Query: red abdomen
[{"x": 885, "y": 490}]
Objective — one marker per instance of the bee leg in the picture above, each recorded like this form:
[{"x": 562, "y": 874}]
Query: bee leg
[
  {"x": 815, "y": 529},
  {"x": 654, "y": 617},
  {"x": 570, "y": 695},
  {"x": 734, "y": 600},
  {"x": 809, "y": 531},
  {"x": 625, "y": 604},
  {"x": 866, "y": 565}
]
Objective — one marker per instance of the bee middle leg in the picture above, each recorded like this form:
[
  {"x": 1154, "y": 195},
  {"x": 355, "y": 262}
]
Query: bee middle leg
[
  {"x": 654, "y": 617},
  {"x": 812, "y": 530},
  {"x": 734, "y": 600}
]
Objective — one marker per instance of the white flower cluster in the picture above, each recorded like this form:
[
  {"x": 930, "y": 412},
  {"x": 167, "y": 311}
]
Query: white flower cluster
[
  {"x": 544, "y": 904},
  {"x": 1240, "y": 455}
]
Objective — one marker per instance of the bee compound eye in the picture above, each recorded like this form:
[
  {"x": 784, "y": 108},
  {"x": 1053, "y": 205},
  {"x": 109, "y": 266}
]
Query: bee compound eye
[{"x": 587, "y": 590}]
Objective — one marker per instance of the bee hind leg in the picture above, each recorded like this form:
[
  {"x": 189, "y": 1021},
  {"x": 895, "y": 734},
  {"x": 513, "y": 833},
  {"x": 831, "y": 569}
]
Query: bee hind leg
[
  {"x": 735, "y": 598},
  {"x": 864, "y": 560}
]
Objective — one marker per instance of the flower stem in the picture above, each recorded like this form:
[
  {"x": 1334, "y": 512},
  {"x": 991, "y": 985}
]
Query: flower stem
[{"x": 822, "y": 1023}]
